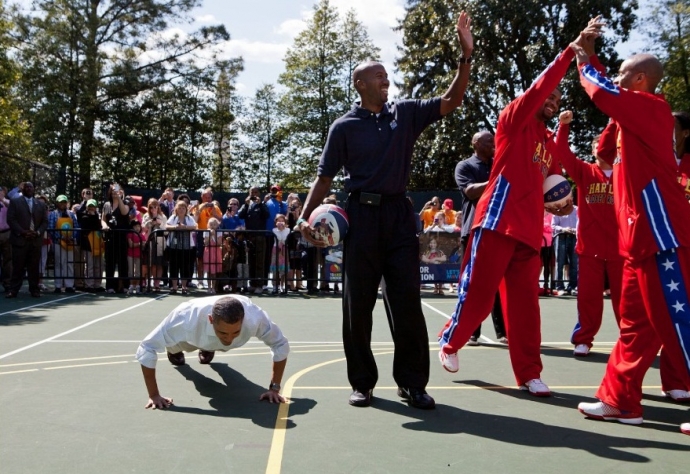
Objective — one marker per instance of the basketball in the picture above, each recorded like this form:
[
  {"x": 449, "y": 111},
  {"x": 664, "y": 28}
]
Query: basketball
[
  {"x": 330, "y": 224},
  {"x": 556, "y": 189}
]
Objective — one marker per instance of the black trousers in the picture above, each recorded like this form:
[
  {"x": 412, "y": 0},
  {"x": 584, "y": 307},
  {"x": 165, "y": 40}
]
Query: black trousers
[
  {"x": 382, "y": 244},
  {"x": 496, "y": 311},
  {"x": 26, "y": 257},
  {"x": 116, "y": 256}
]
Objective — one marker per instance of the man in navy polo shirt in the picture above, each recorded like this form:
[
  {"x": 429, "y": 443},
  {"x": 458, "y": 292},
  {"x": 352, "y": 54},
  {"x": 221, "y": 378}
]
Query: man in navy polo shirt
[{"x": 373, "y": 145}]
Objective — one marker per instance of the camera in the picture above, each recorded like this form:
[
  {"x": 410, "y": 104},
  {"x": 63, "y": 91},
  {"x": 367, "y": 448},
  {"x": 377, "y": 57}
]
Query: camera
[
  {"x": 116, "y": 187},
  {"x": 293, "y": 207}
]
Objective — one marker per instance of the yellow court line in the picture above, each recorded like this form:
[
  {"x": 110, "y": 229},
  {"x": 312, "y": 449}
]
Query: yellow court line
[
  {"x": 19, "y": 371},
  {"x": 87, "y": 365},
  {"x": 275, "y": 456}
]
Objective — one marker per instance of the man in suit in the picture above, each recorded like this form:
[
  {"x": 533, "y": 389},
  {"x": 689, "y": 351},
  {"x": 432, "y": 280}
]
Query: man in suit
[{"x": 28, "y": 220}]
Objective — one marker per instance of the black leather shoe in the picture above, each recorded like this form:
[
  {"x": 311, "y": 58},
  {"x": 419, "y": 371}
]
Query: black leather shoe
[
  {"x": 176, "y": 359},
  {"x": 417, "y": 397},
  {"x": 205, "y": 357},
  {"x": 360, "y": 398}
]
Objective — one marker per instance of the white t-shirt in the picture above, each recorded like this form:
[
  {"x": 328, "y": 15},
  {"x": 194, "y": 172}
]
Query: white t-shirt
[{"x": 188, "y": 323}]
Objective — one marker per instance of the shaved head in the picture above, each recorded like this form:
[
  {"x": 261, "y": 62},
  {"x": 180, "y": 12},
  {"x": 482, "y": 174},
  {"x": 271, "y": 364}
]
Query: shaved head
[
  {"x": 641, "y": 72},
  {"x": 363, "y": 70},
  {"x": 484, "y": 134}
]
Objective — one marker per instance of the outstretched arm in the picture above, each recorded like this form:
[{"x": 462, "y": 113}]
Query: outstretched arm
[
  {"x": 155, "y": 398},
  {"x": 452, "y": 99},
  {"x": 271, "y": 395}
]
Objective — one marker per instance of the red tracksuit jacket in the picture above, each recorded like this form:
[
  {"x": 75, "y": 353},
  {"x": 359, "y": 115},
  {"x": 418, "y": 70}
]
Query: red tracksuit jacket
[
  {"x": 597, "y": 231},
  {"x": 513, "y": 202},
  {"x": 650, "y": 206}
]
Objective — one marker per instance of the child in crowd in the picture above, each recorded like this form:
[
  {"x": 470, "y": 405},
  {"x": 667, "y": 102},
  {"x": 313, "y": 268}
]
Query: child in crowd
[
  {"x": 134, "y": 243},
  {"x": 279, "y": 254},
  {"x": 213, "y": 254},
  {"x": 229, "y": 263},
  {"x": 92, "y": 245},
  {"x": 244, "y": 250},
  {"x": 434, "y": 255}
]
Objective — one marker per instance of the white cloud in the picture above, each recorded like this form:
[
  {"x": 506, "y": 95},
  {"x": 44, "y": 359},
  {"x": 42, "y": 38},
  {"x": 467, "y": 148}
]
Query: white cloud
[
  {"x": 206, "y": 19},
  {"x": 255, "y": 51}
]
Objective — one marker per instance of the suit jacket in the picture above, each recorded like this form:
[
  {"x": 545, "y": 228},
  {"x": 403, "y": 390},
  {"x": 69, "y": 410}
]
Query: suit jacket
[{"x": 19, "y": 217}]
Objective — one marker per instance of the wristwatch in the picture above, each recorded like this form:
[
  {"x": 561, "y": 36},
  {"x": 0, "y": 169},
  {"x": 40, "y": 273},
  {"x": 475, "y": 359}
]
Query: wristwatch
[{"x": 274, "y": 386}]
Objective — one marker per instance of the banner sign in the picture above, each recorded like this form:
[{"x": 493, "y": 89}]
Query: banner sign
[{"x": 439, "y": 257}]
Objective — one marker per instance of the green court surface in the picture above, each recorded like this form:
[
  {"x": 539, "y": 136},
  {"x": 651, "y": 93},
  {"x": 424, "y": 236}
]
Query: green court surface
[{"x": 72, "y": 399}]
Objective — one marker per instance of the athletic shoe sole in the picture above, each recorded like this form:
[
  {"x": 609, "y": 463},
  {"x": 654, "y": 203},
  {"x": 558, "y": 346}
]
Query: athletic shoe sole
[{"x": 633, "y": 420}]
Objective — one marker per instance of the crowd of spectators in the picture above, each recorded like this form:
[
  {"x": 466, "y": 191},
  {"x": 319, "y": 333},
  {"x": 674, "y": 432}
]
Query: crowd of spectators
[{"x": 124, "y": 246}]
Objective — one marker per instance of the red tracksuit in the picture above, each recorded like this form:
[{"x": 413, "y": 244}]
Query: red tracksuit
[
  {"x": 507, "y": 234},
  {"x": 654, "y": 235},
  {"x": 597, "y": 242}
]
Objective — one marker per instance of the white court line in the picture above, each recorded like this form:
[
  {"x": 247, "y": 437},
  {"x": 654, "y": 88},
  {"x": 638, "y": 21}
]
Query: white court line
[
  {"x": 21, "y": 349},
  {"x": 482, "y": 337},
  {"x": 40, "y": 304}
]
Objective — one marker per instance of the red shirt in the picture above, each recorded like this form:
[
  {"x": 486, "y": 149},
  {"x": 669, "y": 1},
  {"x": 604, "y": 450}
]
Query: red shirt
[
  {"x": 513, "y": 202},
  {"x": 653, "y": 214},
  {"x": 597, "y": 229}
]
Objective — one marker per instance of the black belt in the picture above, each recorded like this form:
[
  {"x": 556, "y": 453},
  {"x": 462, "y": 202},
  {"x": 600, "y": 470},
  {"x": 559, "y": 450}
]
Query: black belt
[
  {"x": 4, "y": 230},
  {"x": 373, "y": 199}
]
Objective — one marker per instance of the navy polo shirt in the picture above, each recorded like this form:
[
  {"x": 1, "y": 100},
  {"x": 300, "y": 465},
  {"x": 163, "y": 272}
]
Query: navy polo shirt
[
  {"x": 470, "y": 171},
  {"x": 375, "y": 153}
]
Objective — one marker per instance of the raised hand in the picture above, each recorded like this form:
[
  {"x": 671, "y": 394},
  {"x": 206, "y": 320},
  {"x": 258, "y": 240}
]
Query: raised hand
[
  {"x": 588, "y": 36},
  {"x": 565, "y": 117},
  {"x": 580, "y": 54},
  {"x": 465, "y": 33}
]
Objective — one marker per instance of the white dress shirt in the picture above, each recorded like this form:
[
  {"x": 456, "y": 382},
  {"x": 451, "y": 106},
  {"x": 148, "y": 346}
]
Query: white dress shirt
[{"x": 188, "y": 324}]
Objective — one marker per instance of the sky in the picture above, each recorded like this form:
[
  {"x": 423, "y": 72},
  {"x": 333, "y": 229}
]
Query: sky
[{"x": 262, "y": 30}]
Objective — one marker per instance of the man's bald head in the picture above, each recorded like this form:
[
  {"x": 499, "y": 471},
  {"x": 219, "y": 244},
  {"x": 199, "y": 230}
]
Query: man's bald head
[
  {"x": 483, "y": 145},
  {"x": 364, "y": 70},
  {"x": 634, "y": 67},
  {"x": 479, "y": 136}
]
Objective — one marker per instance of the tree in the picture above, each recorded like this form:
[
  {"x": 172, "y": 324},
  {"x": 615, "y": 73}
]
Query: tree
[
  {"x": 317, "y": 74},
  {"x": 669, "y": 29},
  {"x": 514, "y": 42},
  {"x": 83, "y": 55},
  {"x": 266, "y": 138},
  {"x": 14, "y": 137}
]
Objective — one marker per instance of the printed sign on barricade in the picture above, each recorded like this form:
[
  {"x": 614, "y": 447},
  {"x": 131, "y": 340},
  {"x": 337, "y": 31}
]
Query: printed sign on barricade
[
  {"x": 333, "y": 263},
  {"x": 439, "y": 257}
]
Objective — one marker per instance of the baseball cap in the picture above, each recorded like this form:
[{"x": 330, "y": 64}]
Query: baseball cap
[
  {"x": 61, "y": 198},
  {"x": 275, "y": 188},
  {"x": 91, "y": 202},
  {"x": 448, "y": 203}
]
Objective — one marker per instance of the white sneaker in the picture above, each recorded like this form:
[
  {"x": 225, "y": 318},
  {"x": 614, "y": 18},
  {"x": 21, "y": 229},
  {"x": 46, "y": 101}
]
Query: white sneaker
[
  {"x": 685, "y": 428},
  {"x": 536, "y": 387},
  {"x": 581, "y": 350},
  {"x": 449, "y": 361},
  {"x": 574, "y": 292},
  {"x": 602, "y": 411},
  {"x": 473, "y": 342},
  {"x": 678, "y": 395}
]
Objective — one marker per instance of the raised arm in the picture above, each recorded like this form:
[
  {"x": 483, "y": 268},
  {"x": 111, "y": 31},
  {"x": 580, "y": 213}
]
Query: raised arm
[{"x": 455, "y": 93}]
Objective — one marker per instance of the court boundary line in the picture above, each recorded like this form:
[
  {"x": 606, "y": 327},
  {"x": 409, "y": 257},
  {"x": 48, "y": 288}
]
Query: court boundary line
[
  {"x": 30, "y": 346},
  {"x": 24, "y": 308}
]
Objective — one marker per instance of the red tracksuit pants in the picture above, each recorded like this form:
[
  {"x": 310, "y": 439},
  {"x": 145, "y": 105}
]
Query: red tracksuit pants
[
  {"x": 590, "y": 300},
  {"x": 496, "y": 261},
  {"x": 661, "y": 283}
]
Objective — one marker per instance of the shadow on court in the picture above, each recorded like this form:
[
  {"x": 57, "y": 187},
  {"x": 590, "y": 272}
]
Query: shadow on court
[
  {"x": 237, "y": 397},
  {"x": 522, "y": 432}
]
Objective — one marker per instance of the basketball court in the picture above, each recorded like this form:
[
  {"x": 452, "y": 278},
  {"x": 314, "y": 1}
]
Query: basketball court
[{"x": 72, "y": 399}]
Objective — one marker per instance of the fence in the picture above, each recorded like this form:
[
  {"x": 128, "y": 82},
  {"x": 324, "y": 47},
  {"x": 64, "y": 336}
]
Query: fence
[{"x": 236, "y": 261}]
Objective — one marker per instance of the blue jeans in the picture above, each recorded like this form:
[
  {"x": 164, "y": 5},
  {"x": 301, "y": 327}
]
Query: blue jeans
[{"x": 565, "y": 254}]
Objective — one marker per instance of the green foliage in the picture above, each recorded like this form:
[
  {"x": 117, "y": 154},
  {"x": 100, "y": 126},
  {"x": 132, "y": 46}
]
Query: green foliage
[
  {"x": 14, "y": 131},
  {"x": 669, "y": 29},
  {"x": 317, "y": 77},
  {"x": 89, "y": 64},
  {"x": 514, "y": 42}
]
